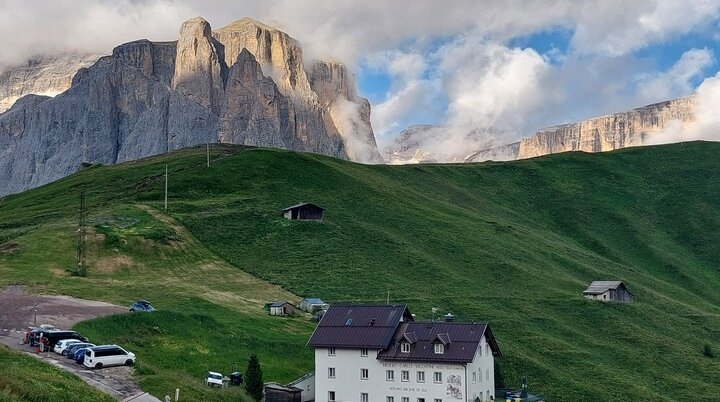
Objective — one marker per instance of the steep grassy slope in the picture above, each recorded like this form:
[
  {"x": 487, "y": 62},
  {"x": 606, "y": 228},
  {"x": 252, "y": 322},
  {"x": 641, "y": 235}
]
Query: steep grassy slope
[
  {"x": 26, "y": 379},
  {"x": 512, "y": 243}
]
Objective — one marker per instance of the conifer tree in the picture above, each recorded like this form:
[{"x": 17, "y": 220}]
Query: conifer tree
[{"x": 253, "y": 379}]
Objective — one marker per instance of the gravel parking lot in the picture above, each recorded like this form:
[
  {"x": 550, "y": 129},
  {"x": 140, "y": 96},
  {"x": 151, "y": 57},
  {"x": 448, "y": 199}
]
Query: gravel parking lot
[{"x": 19, "y": 310}]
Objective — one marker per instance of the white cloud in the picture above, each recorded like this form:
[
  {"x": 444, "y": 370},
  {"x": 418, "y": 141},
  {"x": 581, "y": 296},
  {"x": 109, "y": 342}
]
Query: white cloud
[
  {"x": 617, "y": 27},
  {"x": 678, "y": 79},
  {"x": 494, "y": 92},
  {"x": 707, "y": 119}
]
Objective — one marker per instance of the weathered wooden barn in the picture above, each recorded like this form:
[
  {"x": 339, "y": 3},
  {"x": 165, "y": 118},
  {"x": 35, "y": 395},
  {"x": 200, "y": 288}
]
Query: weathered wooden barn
[
  {"x": 609, "y": 291},
  {"x": 275, "y": 392},
  {"x": 304, "y": 212},
  {"x": 312, "y": 304},
  {"x": 282, "y": 307}
]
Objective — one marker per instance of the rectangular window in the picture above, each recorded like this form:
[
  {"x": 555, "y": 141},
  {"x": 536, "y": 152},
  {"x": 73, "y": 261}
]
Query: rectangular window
[
  {"x": 364, "y": 374},
  {"x": 420, "y": 376},
  {"x": 405, "y": 375},
  {"x": 405, "y": 399},
  {"x": 363, "y": 352},
  {"x": 390, "y": 399},
  {"x": 480, "y": 374},
  {"x": 480, "y": 351},
  {"x": 439, "y": 348},
  {"x": 437, "y": 377},
  {"x": 487, "y": 374},
  {"x": 390, "y": 375},
  {"x": 331, "y": 351},
  {"x": 487, "y": 350},
  {"x": 405, "y": 347},
  {"x": 474, "y": 377},
  {"x": 331, "y": 372},
  {"x": 438, "y": 400},
  {"x": 331, "y": 396},
  {"x": 421, "y": 400},
  {"x": 364, "y": 397}
]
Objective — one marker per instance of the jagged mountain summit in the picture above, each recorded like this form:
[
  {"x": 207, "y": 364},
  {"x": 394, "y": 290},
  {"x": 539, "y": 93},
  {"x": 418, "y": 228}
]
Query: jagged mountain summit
[
  {"x": 42, "y": 75},
  {"x": 640, "y": 126},
  {"x": 245, "y": 83}
]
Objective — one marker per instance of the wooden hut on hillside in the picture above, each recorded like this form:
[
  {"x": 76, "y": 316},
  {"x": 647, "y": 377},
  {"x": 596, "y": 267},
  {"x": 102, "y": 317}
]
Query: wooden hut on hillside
[
  {"x": 304, "y": 212},
  {"x": 609, "y": 291}
]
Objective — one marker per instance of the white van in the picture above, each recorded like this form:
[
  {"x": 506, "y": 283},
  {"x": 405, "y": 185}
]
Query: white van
[{"x": 108, "y": 355}]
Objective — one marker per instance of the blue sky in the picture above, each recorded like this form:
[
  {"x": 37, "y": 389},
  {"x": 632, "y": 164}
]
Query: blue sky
[
  {"x": 488, "y": 72},
  {"x": 554, "y": 44}
]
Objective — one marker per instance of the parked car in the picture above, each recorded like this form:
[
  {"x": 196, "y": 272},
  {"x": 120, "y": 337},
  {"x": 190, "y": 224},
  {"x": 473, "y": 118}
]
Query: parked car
[
  {"x": 213, "y": 379},
  {"x": 62, "y": 344},
  {"x": 141, "y": 305},
  {"x": 108, "y": 355},
  {"x": 79, "y": 355},
  {"x": 33, "y": 333},
  {"x": 50, "y": 338},
  {"x": 70, "y": 350}
]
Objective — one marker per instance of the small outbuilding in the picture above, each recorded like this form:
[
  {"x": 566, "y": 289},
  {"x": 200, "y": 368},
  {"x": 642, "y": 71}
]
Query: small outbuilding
[
  {"x": 609, "y": 291},
  {"x": 312, "y": 304},
  {"x": 275, "y": 392},
  {"x": 282, "y": 308},
  {"x": 304, "y": 212},
  {"x": 307, "y": 384}
]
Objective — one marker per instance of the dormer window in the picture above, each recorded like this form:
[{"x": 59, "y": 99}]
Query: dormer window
[
  {"x": 404, "y": 347},
  {"x": 439, "y": 348}
]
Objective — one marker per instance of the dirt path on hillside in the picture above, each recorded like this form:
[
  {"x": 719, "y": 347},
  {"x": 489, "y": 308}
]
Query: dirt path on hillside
[{"x": 18, "y": 310}]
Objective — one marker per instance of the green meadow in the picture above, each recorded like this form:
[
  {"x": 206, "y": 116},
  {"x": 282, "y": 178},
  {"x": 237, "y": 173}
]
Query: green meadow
[{"x": 510, "y": 243}]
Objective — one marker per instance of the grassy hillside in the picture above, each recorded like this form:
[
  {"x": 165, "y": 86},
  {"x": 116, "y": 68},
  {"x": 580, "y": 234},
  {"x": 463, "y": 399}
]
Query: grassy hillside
[
  {"x": 511, "y": 243},
  {"x": 27, "y": 379}
]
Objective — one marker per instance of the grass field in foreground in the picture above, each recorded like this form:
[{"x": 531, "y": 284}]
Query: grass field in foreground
[
  {"x": 27, "y": 379},
  {"x": 513, "y": 243}
]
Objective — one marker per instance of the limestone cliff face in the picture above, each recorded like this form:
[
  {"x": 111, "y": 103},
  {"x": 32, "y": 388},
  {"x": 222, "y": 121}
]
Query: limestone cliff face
[
  {"x": 41, "y": 76},
  {"x": 348, "y": 113},
  {"x": 325, "y": 96},
  {"x": 611, "y": 132},
  {"x": 148, "y": 98}
]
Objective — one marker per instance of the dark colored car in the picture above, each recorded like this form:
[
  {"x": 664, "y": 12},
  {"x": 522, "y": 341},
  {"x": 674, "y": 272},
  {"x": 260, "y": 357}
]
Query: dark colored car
[
  {"x": 79, "y": 355},
  {"x": 50, "y": 338},
  {"x": 70, "y": 350},
  {"x": 141, "y": 305}
]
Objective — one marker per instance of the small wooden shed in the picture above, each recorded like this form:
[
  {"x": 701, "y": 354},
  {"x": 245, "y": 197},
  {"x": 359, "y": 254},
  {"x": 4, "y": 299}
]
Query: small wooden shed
[
  {"x": 312, "y": 304},
  {"x": 282, "y": 307},
  {"x": 609, "y": 291},
  {"x": 304, "y": 212},
  {"x": 275, "y": 392}
]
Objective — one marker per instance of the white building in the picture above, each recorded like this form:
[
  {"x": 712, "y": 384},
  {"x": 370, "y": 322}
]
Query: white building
[{"x": 378, "y": 353}]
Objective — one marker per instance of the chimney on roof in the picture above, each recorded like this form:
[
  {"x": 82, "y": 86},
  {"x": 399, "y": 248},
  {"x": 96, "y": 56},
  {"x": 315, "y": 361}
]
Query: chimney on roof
[{"x": 449, "y": 317}]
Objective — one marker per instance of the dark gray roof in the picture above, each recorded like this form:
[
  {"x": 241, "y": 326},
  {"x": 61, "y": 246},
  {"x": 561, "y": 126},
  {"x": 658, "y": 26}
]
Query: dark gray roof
[
  {"x": 359, "y": 326},
  {"x": 599, "y": 287},
  {"x": 302, "y": 204},
  {"x": 280, "y": 387},
  {"x": 460, "y": 339},
  {"x": 280, "y": 303},
  {"x": 313, "y": 300}
]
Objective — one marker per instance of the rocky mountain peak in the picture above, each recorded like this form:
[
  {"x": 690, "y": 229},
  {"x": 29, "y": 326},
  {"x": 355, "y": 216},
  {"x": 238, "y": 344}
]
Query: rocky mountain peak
[{"x": 245, "y": 83}]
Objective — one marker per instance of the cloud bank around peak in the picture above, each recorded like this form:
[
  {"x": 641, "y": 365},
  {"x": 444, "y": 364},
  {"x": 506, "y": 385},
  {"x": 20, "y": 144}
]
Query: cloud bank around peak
[{"x": 454, "y": 64}]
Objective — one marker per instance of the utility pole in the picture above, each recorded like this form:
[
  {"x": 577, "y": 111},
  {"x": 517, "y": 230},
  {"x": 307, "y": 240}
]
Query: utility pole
[
  {"x": 166, "y": 185},
  {"x": 208, "y": 154},
  {"x": 81, "y": 268}
]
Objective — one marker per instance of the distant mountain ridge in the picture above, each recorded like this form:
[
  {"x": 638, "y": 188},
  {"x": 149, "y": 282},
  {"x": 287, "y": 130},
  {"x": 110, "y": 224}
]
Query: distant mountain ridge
[
  {"x": 42, "y": 75},
  {"x": 245, "y": 83},
  {"x": 599, "y": 134}
]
